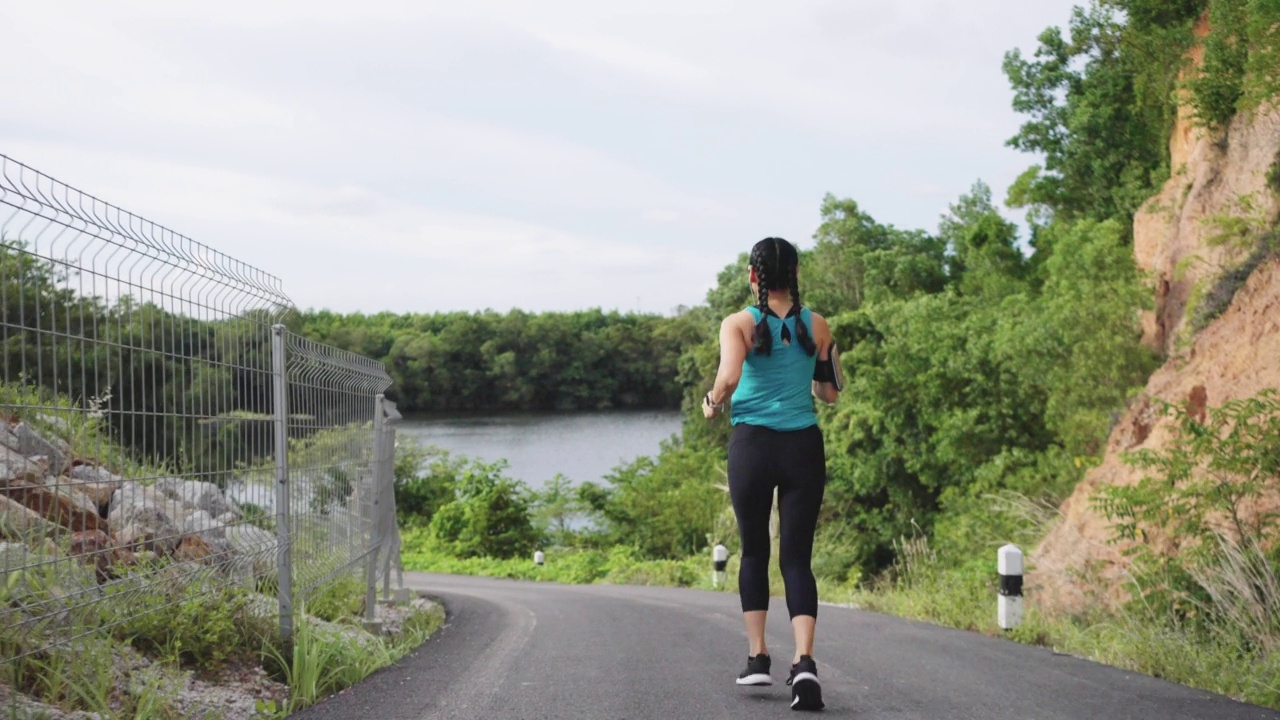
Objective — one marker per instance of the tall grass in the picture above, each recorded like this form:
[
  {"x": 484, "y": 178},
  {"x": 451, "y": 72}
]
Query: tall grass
[{"x": 326, "y": 658}]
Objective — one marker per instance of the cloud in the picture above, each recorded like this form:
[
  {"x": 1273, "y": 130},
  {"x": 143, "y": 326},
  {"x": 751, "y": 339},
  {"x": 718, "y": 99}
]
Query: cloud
[
  {"x": 444, "y": 155},
  {"x": 349, "y": 248}
]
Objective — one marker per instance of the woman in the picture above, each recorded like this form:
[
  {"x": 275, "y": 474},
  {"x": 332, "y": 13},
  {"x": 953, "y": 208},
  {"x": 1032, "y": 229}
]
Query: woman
[{"x": 773, "y": 356}]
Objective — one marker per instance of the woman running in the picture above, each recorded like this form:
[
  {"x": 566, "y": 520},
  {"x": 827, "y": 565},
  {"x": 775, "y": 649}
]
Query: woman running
[{"x": 773, "y": 358}]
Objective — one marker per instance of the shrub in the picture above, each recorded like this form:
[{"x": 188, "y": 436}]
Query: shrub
[
  {"x": 488, "y": 517},
  {"x": 1198, "y": 521}
]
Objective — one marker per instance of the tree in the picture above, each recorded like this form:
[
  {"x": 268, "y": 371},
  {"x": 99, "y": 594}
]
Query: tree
[
  {"x": 1101, "y": 105},
  {"x": 555, "y": 508}
]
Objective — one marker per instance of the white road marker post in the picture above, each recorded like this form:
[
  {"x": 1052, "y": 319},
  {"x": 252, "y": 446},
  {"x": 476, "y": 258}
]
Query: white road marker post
[
  {"x": 539, "y": 558},
  {"x": 1009, "y": 608},
  {"x": 719, "y": 559}
]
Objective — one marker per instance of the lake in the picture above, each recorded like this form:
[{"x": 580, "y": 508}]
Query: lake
[{"x": 582, "y": 446}]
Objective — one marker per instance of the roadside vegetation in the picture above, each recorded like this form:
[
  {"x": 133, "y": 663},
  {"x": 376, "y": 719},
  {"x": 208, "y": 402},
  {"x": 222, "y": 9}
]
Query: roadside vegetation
[{"x": 160, "y": 637}]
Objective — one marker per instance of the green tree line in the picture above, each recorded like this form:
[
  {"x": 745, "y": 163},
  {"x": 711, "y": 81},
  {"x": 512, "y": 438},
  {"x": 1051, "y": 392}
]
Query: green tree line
[{"x": 490, "y": 361}]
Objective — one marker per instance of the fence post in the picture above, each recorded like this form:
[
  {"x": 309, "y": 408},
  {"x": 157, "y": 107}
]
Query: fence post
[
  {"x": 375, "y": 517},
  {"x": 284, "y": 560}
]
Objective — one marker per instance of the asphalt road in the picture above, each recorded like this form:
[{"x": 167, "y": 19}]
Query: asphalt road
[{"x": 525, "y": 650}]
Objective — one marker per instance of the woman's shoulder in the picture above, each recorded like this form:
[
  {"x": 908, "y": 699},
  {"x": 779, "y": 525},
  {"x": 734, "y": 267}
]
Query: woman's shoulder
[
  {"x": 821, "y": 330},
  {"x": 748, "y": 316}
]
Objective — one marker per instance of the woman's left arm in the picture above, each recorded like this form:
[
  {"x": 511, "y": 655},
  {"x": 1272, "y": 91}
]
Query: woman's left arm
[
  {"x": 826, "y": 391},
  {"x": 733, "y": 352}
]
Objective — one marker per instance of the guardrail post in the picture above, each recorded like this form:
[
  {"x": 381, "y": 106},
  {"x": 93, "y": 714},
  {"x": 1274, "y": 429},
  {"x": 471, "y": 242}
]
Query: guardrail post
[
  {"x": 284, "y": 559},
  {"x": 1009, "y": 604},
  {"x": 719, "y": 560}
]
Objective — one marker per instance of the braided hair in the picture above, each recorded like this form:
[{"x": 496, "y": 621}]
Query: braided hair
[{"x": 775, "y": 261}]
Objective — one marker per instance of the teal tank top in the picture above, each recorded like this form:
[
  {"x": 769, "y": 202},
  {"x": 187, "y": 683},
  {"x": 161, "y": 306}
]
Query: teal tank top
[{"x": 776, "y": 390}]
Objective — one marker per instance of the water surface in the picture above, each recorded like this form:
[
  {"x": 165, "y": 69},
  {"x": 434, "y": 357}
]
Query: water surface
[{"x": 580, "y": 445}]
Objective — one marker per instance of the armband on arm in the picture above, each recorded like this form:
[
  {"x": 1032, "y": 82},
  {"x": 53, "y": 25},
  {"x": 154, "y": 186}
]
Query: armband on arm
[{"x": 829, "y": 370}]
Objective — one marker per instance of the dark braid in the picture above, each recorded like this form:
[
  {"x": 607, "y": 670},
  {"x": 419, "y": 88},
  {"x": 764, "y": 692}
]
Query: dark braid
[
  {"x": 763, "y": 337},
  {"x": 802, "y": 332}
]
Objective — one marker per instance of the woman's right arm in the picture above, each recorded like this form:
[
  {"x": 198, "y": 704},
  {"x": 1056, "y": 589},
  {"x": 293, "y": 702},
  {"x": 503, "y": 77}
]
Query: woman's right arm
[{"x": 733, "y": 351}]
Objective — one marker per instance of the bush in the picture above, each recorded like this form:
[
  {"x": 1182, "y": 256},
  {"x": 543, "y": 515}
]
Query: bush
[
  {"x": 424, "y": 480},
  {"x": 338, "y": 600},
  {"x": 488, "y": 517},
  {"x": 665, "y": 507},
  {"x": 1217, "y": 90},
  {"x": 1198, "y": 522}
]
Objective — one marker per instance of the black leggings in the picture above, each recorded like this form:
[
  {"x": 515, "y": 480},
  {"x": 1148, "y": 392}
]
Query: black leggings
[{"x": 761, "y": 459}]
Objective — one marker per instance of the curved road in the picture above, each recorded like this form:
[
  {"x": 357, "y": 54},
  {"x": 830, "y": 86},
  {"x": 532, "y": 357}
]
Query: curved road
[{"x": 526, "y": 650}]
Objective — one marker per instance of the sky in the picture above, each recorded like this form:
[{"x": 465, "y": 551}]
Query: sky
[{"x": 423, "y": 156}]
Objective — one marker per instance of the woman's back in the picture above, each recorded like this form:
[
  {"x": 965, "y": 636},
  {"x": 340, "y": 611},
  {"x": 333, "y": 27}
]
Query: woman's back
[{"x": 776, "y": 388}]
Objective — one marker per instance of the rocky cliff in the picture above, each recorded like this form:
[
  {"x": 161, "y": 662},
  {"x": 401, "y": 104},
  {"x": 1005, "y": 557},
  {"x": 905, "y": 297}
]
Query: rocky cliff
[{"x": 1222, "y": 180}]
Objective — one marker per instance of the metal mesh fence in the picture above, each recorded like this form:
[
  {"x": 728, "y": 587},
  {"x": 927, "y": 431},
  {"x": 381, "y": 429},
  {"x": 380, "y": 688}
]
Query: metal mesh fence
[
  {"x": 332, "y": 401},
  {"x": 160, "y": 432}
]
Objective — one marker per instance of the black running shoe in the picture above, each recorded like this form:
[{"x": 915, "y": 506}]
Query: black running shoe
[
  {"x": 806, "y": 691},
  {"x": 757, "y": 672}
]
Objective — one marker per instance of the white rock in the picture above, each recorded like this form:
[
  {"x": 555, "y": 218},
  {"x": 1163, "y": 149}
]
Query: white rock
[
  {"x": 202, "y": 524},
  {"x": 96, "y": 482},
  {"x": 139, "y": 513},
  {"x": 198, "y": 494},
  {"x": 14, "y": 464}
]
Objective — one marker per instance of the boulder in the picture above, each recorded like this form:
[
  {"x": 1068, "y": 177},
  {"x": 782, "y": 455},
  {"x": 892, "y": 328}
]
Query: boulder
[
  {"x": 132, "y": 498},
  {"x": 97, "y": 550},
  {"x": 31, "y": 442},
  {"x": 150, "y": 531},
  {"x": 198, "y": 494},
  {"x": 89, "y": 543},
  {"x": 145, "y": 519},
  {"x": 96, "y": 482},
  {"x": 7, "y": 438},
  {"x": 194, "y": 548},
  {"x": 18, "y": 522},
  {"x": 202, "y": 524},
  {"x": 57, "y": 502},
  {"x": 14, "y": 466}
]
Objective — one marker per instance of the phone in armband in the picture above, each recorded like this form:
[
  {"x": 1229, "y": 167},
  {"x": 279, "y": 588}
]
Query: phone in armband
[{"x": 829, "y": 370}]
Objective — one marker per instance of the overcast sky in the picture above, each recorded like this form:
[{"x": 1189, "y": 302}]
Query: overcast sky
[{"x": 551, "y": 155}]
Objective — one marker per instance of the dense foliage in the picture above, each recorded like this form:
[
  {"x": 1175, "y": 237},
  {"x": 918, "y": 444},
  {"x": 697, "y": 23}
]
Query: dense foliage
[{"x": 517, "y": 361}]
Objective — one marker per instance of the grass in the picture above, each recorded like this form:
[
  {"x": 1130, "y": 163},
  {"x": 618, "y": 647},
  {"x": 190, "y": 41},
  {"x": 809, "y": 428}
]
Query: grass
[
  {"x": 326, "y": 657},
  {"x": 1215, "y": 656},
  {"x": 201, "y": 629},
  {"x": 619, "y": 566}
]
